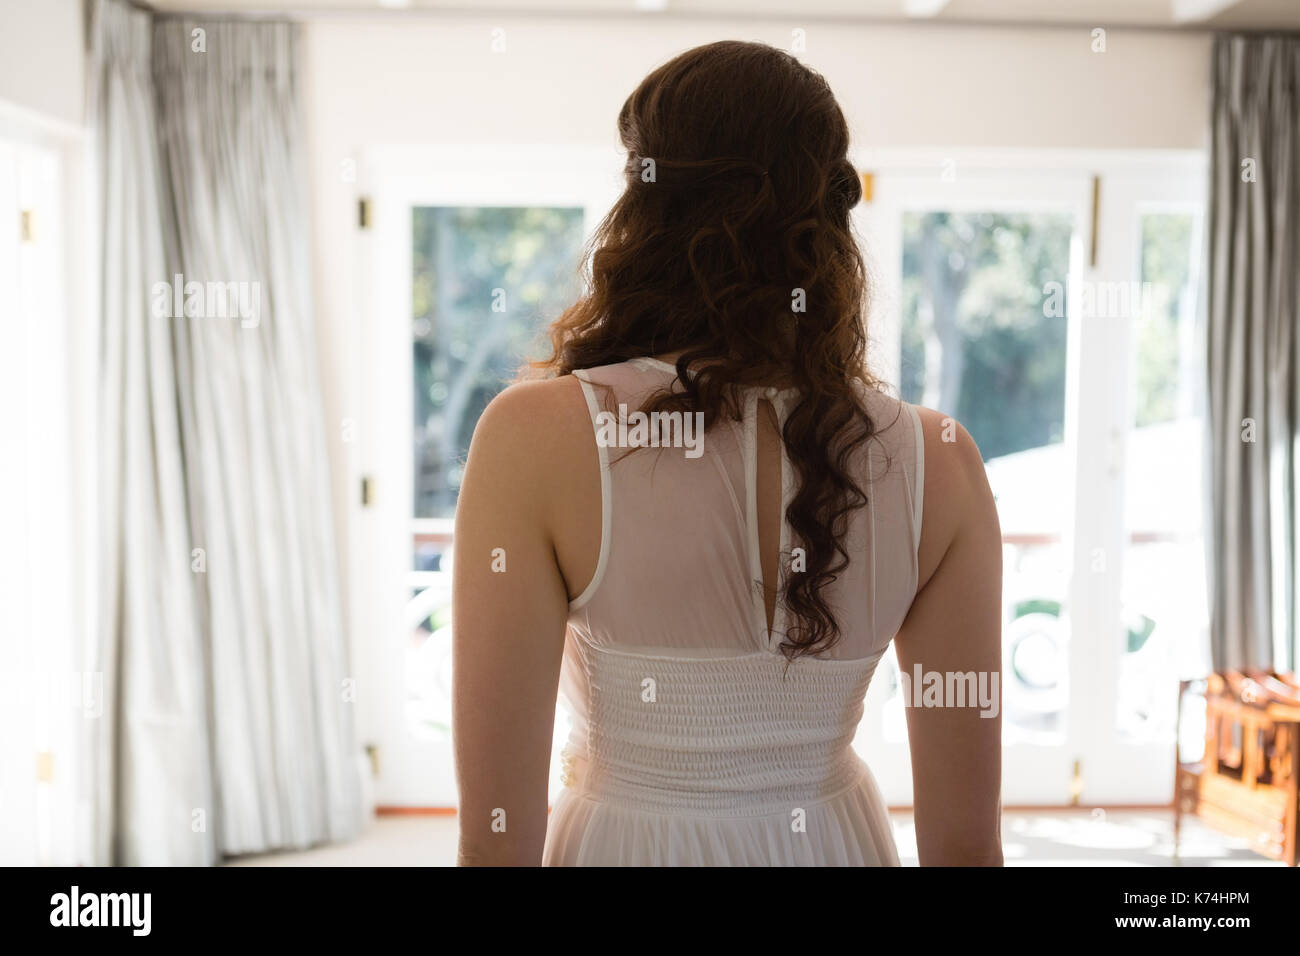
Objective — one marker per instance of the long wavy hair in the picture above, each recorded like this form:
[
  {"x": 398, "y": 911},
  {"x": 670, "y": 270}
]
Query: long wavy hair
[{"x": 732, "y": 243}]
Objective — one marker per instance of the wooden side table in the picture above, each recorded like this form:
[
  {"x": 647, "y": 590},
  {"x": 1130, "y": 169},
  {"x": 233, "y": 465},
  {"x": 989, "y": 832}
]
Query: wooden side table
[{"x": 1247, "y": 784}]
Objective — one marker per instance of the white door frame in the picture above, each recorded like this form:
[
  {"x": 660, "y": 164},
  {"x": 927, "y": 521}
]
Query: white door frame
[
  {"x": 49, "y": 370},
  {"x": 1098, "y": 417},
  {"x": 415, "y": 771}
]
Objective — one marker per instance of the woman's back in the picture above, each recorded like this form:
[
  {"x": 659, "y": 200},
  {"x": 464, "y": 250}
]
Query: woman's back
[
  {"x": 679, "y": 563},
  {"x": 715, "y": 613},
  {"x": 695, "y": 741}
]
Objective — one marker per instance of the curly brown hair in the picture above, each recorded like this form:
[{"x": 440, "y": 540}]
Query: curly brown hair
[{"x": 737, "y": 203}]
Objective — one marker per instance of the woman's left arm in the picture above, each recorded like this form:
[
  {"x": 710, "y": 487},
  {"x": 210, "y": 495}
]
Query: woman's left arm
[{"x": 509, "y": 608}]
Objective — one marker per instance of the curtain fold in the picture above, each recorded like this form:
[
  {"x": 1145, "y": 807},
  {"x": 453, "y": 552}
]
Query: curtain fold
[
  {"x": 250, "y": 558},
  {"x": 1254, "y": 350},
  {"x": 151, "y": 792},
  {"x": 254, "y": 439}
]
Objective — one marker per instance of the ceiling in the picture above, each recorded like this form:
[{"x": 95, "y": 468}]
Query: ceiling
[{"x": 1175, "y": 14}]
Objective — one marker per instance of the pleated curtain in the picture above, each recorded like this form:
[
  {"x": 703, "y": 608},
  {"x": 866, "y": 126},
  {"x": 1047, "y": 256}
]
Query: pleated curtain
[
  {"x": 150, "y": 789},
  {"x": 1254, "y": 351},
  {"x": 235, "y": 726}
]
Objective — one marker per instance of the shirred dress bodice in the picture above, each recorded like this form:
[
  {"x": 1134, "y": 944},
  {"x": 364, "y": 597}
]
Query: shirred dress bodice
[{"x": 694, "y": 741}]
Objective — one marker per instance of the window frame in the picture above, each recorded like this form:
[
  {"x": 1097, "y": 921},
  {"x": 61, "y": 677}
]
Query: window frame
[{"x": 1098, "y": 417}]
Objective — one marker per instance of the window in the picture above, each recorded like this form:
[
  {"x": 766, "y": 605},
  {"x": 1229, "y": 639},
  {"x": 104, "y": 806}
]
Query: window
[
  {"x": 979, "y": 342},
  {"x": 471, "y": 252},
  {"x": 485, "y": 283},
  {"x": 1164, "y": 603},
  {"x": 1048, "y": 302}
]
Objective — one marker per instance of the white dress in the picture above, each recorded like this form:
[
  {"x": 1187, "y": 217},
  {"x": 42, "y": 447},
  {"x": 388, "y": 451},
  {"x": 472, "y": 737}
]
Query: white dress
[{"x": 693, "y": 743}]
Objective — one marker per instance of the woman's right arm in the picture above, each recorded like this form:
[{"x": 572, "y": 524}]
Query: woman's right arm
[{"x": 955, "y": 627}]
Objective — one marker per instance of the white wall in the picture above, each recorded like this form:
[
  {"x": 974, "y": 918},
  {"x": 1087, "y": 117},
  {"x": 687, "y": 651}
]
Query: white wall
[
  {"x": 48, "y": 553},
  {"x": 424, "y": 79},
  {"x": 378, "y": 80},
  {"x": 42, "y": 58}
]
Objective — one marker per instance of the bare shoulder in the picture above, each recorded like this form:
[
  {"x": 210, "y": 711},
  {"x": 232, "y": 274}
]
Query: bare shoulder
[
  {"x": 534, "y": 469},
  {"x": 957, "y": 497},
  {"x": 529, "y": 435},
  {"x": 952, "y": 459},
  {"x": 534, "y": 420}
]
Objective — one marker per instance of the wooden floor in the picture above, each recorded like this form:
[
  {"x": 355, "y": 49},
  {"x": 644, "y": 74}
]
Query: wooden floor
[{"x": 1029, "y": 838}]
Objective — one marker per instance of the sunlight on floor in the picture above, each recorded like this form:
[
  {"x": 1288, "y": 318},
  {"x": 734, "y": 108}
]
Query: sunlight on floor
[{"x": 1040, "y": 838}]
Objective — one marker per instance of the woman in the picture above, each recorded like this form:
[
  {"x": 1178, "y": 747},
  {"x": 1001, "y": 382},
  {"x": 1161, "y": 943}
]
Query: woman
[{"x": 714, "y": 609}]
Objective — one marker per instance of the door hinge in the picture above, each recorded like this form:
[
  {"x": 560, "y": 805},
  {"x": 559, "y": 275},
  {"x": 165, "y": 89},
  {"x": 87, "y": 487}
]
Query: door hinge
[
  {"x": 27, "y": 225},
  {"x": 367, "y": 491},
  {"x": 365, "y": 212},
  {"x": 1076, "y": 783}
]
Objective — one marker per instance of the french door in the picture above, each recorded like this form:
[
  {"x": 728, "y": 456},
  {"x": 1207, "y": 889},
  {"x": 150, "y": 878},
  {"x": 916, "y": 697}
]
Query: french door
[
  {"x": 46, "y": 700},
  {"x": 469, "y": 254},
  {"x": 1049, "y": 303}
]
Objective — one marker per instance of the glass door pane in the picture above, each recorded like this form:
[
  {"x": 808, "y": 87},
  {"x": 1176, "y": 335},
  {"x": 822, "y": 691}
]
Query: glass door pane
[
  {"x": 471, "y": 252},
  {"x": 1165, "y": 613},
  {"x": 996, "y": 303},
  {"x": 974, "y": 319},
  {"x": 981, "y": 341},
  {"x": 485, "y": 283},
  {"x": 1142, "y": 605}
]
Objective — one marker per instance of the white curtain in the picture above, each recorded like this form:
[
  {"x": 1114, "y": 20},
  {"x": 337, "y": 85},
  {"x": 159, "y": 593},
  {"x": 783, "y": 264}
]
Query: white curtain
[
  {"x": 151, "y": 798},
  {"x": 254, "y": 438},
  {"x": 243, "y": 576}
]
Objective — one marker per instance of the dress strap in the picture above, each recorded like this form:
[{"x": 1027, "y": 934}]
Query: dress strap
[{"x": 606, "y": 492}]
